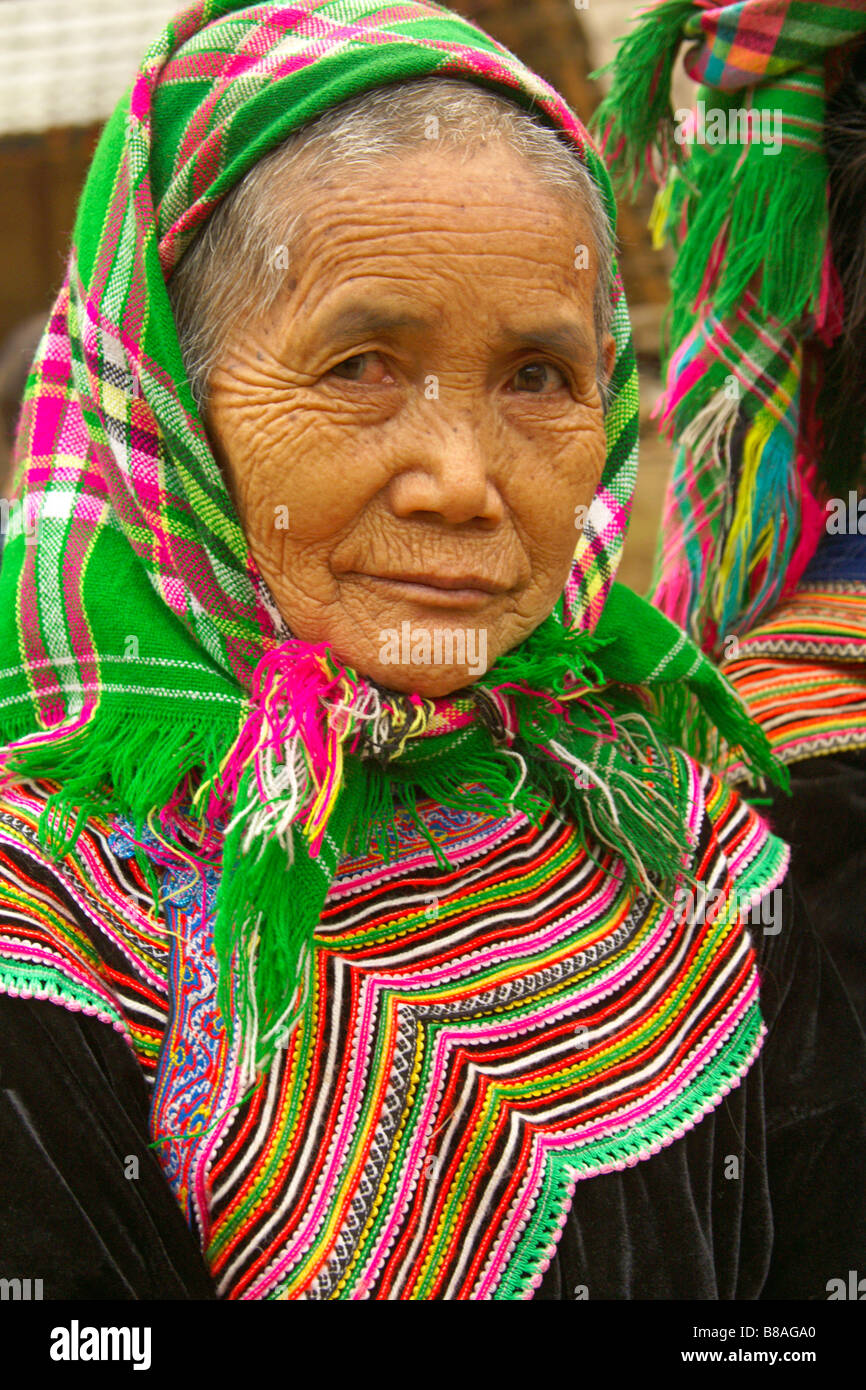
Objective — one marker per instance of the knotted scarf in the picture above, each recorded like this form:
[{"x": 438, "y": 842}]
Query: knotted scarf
[
  {"x": 756, "y": 297},
  {"x": 143, "y": 666}
]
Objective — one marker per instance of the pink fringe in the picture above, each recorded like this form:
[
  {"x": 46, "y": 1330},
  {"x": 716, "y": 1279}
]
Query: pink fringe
[
  {"x": 831, "y": 305},
  {"x": 292, "y": 686}
]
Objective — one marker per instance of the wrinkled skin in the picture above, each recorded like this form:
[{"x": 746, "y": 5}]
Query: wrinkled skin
[{"x": 375, "y": 466}]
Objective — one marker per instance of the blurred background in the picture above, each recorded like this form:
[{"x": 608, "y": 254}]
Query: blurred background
[{"x": 65, "y": 63}]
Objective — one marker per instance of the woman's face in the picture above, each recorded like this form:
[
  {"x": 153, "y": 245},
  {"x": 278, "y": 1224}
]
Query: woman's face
[{"x": 412, "y": 432}]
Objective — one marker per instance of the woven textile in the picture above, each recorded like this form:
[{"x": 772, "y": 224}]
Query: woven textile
[
  {"x": 756, "y": 295},
  {"x": 755, "y": 41},
  {"x": 481, "y": 1039}
]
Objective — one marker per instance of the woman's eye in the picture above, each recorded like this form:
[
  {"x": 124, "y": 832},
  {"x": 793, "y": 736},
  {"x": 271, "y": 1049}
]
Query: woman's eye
[
  {"x": 539, "y": 378},
  {"x": 367, "y": 367}
]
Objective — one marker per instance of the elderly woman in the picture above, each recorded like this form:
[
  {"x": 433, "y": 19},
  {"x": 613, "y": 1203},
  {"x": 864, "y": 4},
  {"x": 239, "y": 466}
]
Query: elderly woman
[{"x": 369, "y": 928}]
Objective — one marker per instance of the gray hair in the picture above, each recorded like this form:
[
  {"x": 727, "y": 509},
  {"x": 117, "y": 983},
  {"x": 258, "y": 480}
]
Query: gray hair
[{"x": 228, "y": 276}]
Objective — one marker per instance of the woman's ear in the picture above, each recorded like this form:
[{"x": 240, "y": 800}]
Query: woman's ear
[{"x": 609, "y": 356}]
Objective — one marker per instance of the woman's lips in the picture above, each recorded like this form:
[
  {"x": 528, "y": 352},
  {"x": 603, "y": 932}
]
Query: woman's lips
[{"x": 439, "y": 591}]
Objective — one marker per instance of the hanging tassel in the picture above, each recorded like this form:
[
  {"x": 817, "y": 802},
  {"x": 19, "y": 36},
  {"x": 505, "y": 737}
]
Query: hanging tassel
[
  {"x": 763, "y": 528},
  {"x": 303, "y": 708},
  {"x": 268, "y": 907},
  {"x": 736, "y": 203},
  {"x": 636, "y": 116},
  {"x": 648, "y": 639}
]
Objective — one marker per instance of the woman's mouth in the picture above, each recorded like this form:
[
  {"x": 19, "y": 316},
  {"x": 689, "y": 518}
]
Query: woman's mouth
[{"x": 464, "y": 591}]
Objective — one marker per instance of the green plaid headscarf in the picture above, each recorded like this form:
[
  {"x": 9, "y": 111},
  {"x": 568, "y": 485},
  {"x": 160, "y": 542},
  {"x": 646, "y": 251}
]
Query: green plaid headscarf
[
  {"x": 140, "y": 668},
  {"x": 755, "y": 294}
]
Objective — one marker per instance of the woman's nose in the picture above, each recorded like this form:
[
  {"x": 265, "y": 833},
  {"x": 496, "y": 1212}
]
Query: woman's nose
[{"x": 449, "y": 477}]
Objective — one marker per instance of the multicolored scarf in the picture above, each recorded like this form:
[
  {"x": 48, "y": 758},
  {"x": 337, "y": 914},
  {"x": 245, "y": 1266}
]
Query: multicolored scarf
[
  {"x": 143, "y": 666},
  {"x": 755, "y": 293}
]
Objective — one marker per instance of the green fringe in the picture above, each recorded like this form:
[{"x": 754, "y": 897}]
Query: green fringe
[
  {"x": 637, "y": 111},
  {"x": 267, "y": 910},
  {"x": 765, "y": 203},
  {"x": 693, "y": 695},
  {"x": 551, "y": 658},
  {"x": 645, "y": 829},
  {"x": 693, "y": 721},
  {"x": 117, "y": 763},
  {"x": 269, "y": 906},
  {"x": 461, "y": 758},
  {"x": 645, "y": 824}
]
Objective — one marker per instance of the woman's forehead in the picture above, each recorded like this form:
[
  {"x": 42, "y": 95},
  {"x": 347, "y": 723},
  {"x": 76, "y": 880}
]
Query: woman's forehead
[{"x": 421, "y": 226}]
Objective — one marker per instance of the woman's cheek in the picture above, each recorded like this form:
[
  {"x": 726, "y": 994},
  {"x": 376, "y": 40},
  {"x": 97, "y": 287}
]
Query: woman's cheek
[
  {"x": 297, "y": 474},
  {"x": 558, "y": 487}
]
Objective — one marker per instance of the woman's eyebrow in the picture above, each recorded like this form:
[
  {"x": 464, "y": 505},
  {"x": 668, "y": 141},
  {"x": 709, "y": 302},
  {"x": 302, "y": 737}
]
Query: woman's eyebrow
[
  {"x": 570, "y": 339},
  {"x": 366, "y": 320}
]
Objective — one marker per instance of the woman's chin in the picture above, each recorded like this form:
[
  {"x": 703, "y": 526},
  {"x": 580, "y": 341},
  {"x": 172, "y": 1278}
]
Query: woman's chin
[
  {"x": 430, "y": 660},
  {"x": 412, "y": 679}
]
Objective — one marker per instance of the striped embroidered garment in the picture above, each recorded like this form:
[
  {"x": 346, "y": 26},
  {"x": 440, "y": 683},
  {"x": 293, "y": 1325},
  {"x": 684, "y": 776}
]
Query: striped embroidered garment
[
  {"x": 480, "y": 1040},
  {"x": 802, "y": 672}
]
